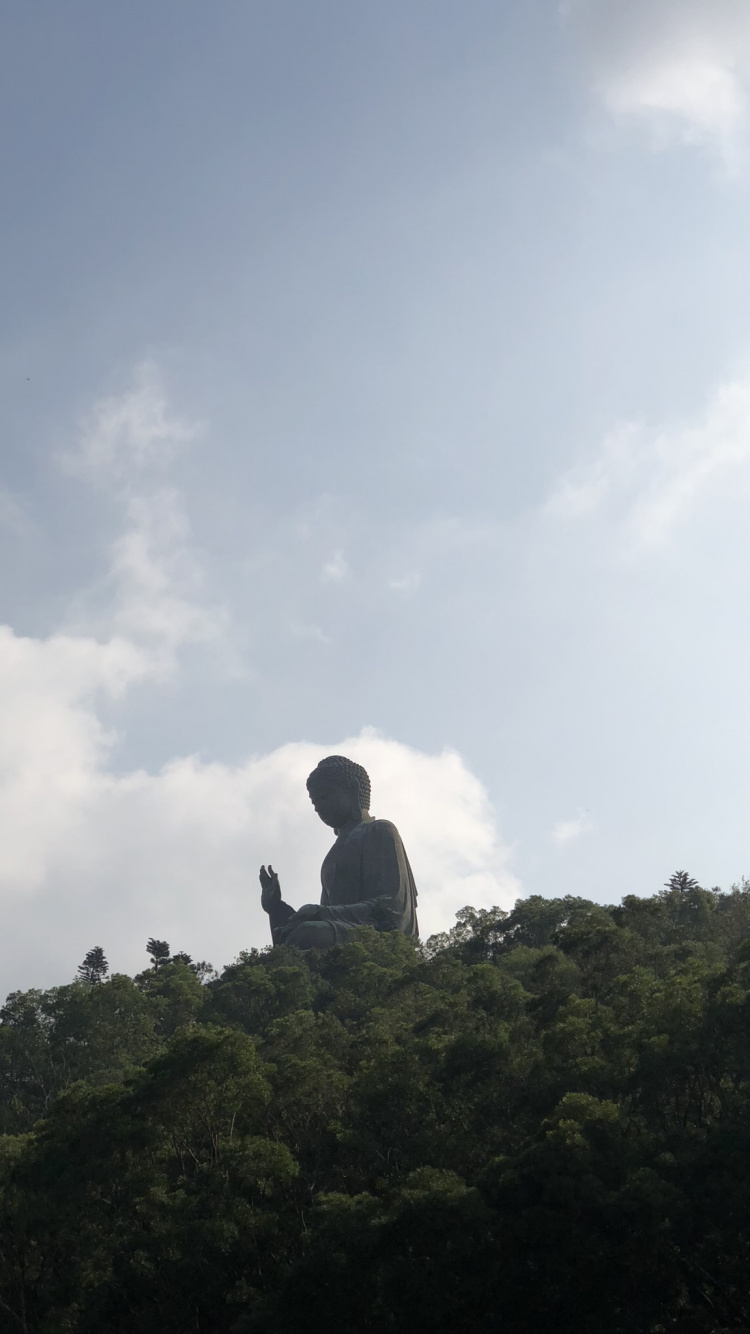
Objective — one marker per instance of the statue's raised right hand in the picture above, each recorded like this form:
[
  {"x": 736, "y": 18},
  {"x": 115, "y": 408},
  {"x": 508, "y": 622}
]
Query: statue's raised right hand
[{"x": 270, "y": 889}]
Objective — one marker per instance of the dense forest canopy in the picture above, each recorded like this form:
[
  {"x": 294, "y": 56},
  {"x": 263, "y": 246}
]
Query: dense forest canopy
[{"x": 539, "y": 1121}]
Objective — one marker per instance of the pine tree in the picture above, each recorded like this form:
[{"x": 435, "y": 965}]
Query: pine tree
[
  {"x": 681, "y": 882},
  {"x": 94, "y": 967},
  {"x": 159, "y": 951}
]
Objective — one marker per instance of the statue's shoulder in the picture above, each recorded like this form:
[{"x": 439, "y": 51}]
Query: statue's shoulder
[{"x": 382, "y": 829}]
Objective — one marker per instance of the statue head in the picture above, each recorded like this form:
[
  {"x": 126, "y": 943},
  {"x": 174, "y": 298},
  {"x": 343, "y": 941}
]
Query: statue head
[{"x": 339, "y": 790}]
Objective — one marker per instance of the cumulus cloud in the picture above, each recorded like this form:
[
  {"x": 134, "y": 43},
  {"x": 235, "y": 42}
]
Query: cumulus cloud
[
  {"x": 679, "y": 67},
  {"x": 92, "y": 856},
  {"x": 650, "y": 483},
  {"x": 565, "y": 831}
]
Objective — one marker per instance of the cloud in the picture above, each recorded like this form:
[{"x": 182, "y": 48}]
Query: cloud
[
  {"x": 680, "y": 68},
  {"x": 130, "y": 433},
  {"x": 336, "y": 568},
  {"x": 650, "y": 483},
  {"x": 153, "y": 593},
  {"x": 565, "y": 831},
  {"x": 159, "y": 584},
  {"x": 93, "y": 856},
  {"x": 51, "y": 741}
]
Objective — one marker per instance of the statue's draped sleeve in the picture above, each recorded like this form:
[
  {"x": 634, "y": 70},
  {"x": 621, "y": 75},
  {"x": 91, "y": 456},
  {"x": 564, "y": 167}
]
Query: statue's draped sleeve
[{"x": 388, "y": 895}]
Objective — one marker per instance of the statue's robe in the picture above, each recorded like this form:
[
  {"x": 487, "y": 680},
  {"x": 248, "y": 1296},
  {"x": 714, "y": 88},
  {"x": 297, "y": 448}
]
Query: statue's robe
[{"x": 367, "y": 881}]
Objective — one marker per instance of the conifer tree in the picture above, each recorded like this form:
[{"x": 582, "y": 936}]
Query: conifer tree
[
  {"x": 94, "y": 967},
  {"x": 680, "y": 882},
  {"x": 159, "y": 951}
]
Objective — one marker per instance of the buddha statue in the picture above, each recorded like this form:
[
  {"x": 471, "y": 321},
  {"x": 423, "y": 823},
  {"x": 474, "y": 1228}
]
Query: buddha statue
[{"x": 366, "y": 877}]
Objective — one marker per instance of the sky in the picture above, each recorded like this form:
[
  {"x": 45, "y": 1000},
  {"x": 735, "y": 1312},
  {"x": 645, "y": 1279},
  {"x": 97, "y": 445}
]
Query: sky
[{"x": 375, "y": 380}]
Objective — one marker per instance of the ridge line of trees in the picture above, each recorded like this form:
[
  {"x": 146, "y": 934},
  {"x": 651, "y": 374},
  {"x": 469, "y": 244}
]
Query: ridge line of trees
[{"x": 538, "y": 1121}]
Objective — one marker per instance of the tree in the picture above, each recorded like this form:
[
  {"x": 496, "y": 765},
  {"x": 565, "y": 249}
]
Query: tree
[
  {"x": 94, "y": 967},
  {"x": 159, "y": 951},
  {"x": 542, "y": 1122},
  {"x": 680, "y": 882},
  {"x": 160, "y": 955},
  {"x": 202, "y": 969}
]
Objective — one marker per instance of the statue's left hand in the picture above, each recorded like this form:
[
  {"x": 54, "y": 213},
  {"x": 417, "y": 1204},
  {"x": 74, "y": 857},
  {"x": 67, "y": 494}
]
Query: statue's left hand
[{"x": 270, "y": 897}]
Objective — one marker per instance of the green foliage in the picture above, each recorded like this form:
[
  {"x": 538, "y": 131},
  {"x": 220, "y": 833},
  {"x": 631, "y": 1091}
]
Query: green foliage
[
  {"x": 94, "y": 967},
  {"x": 539, "y": 1121},
  {"x": 158, "y": 950}
]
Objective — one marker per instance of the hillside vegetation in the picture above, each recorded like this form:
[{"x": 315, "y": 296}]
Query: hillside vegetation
[{"x": 538, "y": 1122}]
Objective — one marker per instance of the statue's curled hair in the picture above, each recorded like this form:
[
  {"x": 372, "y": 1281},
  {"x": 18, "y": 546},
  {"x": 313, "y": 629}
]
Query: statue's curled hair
[{"x": 338, "y": 769}]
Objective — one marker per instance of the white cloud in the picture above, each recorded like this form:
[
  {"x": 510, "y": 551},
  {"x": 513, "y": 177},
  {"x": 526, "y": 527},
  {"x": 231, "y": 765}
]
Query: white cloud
[
  {"x": 154, "y": 592},
  {"x": 336, "y": 568},
  {"x": 565, "y": 831},
  {"x": 585, "y": 489},
  {"x": 650, "y": 483},
  {"x": 51, "y": 741},
  {"x": 89, "y": 856},
  {"x": 159, "y": 584},
  {"x": 129, "y": 433},
  {"x": 679, "y": 67}
]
